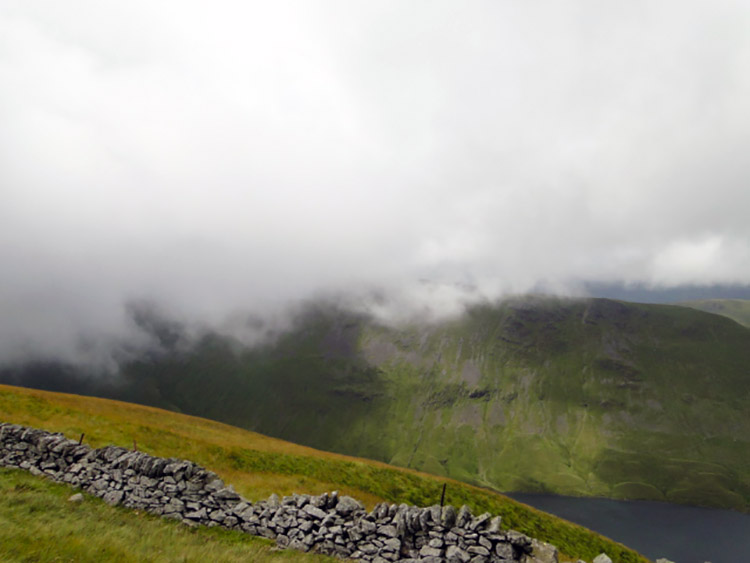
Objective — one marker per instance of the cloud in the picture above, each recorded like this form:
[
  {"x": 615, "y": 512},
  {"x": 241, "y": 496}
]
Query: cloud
[{"x": 223, "y": 157}]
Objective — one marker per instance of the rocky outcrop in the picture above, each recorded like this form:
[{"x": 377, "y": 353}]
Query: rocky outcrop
[{"x": 329, "y": 523}]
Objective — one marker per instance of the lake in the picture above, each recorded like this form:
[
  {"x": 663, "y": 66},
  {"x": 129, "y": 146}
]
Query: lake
[{"x": 684, "y": 534}]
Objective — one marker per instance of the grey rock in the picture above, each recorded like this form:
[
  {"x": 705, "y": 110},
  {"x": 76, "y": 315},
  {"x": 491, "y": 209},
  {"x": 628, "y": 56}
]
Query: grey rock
[
  {"x": 504, "y": 550},
  {"x": 602, "y": 558},
  {"x": 388, "y": 531},
  {"x": 479, "y": 550},
  {"x": 314, "y": 511},
  {"x": 367, "y": 527},
  {"x": 78, "y": 497},
  {"x": 392, "y": 543},
  {"x": 197, "y": 514},
  {"x": 455, "y": 554},
  {"x": 217, "y": 515},
  {"x": 298, "y": 545},
  {"x": 448, "y": 516},
  {"x": 113, "y": 497},
  {"x": 463, "y": 517},
  {"x": 428, "y": 551},
  {"x": 227, "y": 494},
  {"x": 543, "y": 552},
  {"x": 480, "y": 522},
  {"x": 346, "y": 505},
  {"x": 494, "y": 526}
]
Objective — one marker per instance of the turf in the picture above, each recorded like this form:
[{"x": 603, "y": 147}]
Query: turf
[{"x": 257, "y": 465}]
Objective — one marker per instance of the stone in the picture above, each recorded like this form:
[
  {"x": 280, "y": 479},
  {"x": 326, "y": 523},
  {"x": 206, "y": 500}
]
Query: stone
[
  {"x": 217, "y": 515},
  {"x": 463, "y": 517},
  {"x": 504, "y": 550},
  {"x": 602, "y": 558},
  {"x": 227, "y": 493},
  {"x": 298, "y": 545},
  {"x": 454, "y": 554},
  {"x": 388, "y": 531},
  {"x": 328, "y": 523},
  {"x": 367, "y": 527},
  {"x": 479, "y": 550},
  {"x": 113, "y": 497},
  {"x": 428, "y": 551},
  {"x": 543, "y": 552},
  {"x": 197, "y": 514},
  {"x": 494, "y": 526},
  {"x": 346, "y": 505},
  {"x": 392, "y": 543},
  {"x": 448, "y": 516},
  {"x": 480, "y": 522},
  {"x": 314, "y": 511},
  {"x": 78, "y": 497}
]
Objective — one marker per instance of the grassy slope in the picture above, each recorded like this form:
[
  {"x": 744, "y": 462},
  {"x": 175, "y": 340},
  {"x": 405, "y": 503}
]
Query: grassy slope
[
  {"x": 584, "y": 397},
  {"x": 736, "y": 309},
  {"x": 254, "y": 464},
  {"x": 37, "y": 523}
]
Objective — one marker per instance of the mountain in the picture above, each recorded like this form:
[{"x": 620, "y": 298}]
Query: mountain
[
  {"x": 735, "y": 309},
  {"x": 40, "y": 521},
  {"x": 590, "y": 397},
  {"x": 643, "y": 293}
]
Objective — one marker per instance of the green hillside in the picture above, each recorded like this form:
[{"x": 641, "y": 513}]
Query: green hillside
[
  {"x": 36, "y": 517},
  {"x": 735, "y": 309},
  {"x": 584, "y": 397},
  {"x": 39, "y": 524}
]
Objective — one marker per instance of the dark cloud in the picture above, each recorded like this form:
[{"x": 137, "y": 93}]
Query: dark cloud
[{"x": 224, "y": 157}]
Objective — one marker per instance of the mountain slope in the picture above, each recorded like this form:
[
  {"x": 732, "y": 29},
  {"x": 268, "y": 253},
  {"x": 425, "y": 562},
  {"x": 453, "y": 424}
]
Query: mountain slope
[
  {"x": 257, "y": 465},
  {"x": 735, "y": 309},
  {"x": 587, "y": 397}
]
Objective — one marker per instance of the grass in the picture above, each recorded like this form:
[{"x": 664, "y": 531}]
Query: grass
[
  {"x": 256, "y": 465},
  {"x": 38, "y": 523}
]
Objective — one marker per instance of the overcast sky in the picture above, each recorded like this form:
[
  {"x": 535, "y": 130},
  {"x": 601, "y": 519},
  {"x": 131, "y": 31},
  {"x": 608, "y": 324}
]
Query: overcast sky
[{"x": 219, "y": 156}]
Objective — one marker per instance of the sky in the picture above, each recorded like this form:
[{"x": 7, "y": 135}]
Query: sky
[{"x": 221, "y": 158}]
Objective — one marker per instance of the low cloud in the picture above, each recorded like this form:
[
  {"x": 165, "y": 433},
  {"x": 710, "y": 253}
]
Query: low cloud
[{"x": 222, "y": 158}]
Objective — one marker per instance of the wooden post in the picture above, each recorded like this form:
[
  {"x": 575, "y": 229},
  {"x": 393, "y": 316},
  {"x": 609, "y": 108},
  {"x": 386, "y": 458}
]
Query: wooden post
[
  {"x": 80, "y": 440},
  {"x": 135, "y": 446},
  {"x": 442, "y": 497}
]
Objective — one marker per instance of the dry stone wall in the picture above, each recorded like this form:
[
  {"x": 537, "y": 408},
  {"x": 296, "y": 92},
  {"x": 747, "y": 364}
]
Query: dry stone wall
[{"x": 329, "y": 523}]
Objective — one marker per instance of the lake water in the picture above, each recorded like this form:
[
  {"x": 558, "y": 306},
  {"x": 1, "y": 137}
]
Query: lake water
[{"x": 684, "y": 534}]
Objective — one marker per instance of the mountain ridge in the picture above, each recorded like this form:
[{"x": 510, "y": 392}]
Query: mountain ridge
[{"x": 590, "y": 397}]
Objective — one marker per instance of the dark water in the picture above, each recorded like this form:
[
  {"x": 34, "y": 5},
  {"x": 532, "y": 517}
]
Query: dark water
[{"x": 684, "y": 534}]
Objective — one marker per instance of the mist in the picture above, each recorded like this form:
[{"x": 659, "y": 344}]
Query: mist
[{"x": 227, "y": 159}]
